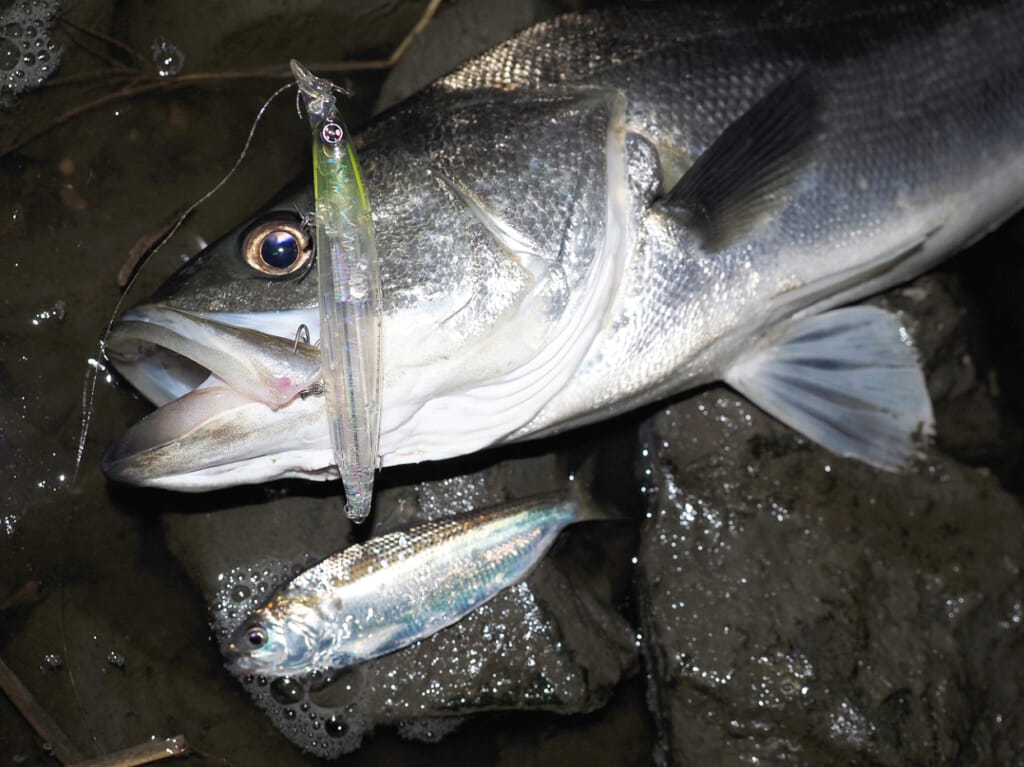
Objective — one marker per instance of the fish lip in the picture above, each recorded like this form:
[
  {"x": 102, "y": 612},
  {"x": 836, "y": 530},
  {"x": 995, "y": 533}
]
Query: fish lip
[
  {"x": 231, "y": 655},
  {"x": 265, "y": 367},
  {"x": 201, "y": 435},
  {"x": 140, "y": 455},
  {"x": 237, "y": 661}
]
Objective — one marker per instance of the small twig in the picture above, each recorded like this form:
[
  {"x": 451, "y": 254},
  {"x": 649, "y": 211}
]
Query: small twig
[
  {"x": 52, "y": 736},
  {"x": 89, "y": 47},
  {"x": 111, "y": 41},
  {"x": 145, "y": 244},
  {"x": 211, "y": 757},
  {"x": 420, "y": 25},
  {"x": 111, "y": 73},
  {"x": 26, "y": 594},
  {"x": 144, "y": 753}
]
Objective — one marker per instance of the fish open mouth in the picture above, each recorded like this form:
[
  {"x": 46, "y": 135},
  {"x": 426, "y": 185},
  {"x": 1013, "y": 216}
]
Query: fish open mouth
[{"x": 232, "y": 396}]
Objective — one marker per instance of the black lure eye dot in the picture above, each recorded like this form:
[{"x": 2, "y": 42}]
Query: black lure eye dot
[
  {"x": 280, "y": 249},
  {"x": 256, "y": 636}
]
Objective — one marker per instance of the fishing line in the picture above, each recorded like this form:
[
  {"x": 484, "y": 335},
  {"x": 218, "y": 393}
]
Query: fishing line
[{"x": 96, "y": 366}]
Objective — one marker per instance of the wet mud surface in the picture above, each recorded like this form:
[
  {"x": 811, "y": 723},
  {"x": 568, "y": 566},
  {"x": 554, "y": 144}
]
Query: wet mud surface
[
  {"x": 789, "y": 605},
  {"x": 803, "y": 609}
]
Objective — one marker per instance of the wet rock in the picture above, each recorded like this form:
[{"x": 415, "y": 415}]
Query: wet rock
[
  {"x": 803, "y": 608},
  {"x": 552, "y": 643},
  {"x": 968, "y": 422}
]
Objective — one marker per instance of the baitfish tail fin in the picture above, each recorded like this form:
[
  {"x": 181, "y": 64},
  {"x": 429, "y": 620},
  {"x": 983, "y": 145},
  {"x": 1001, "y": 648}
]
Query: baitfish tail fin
[
  {"x": 746, "y": 175},
  {"x": 847, "y": 379},
  {"x": 588, "y": 509}
]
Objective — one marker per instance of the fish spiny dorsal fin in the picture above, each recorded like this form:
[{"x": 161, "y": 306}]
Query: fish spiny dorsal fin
[{"x": 747, "y": 174}]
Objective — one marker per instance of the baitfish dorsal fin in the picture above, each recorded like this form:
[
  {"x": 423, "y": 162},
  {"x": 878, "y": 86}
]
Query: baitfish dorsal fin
[
  {"x": 847, "y": 379},
  {"x": 746, "y": 175}
]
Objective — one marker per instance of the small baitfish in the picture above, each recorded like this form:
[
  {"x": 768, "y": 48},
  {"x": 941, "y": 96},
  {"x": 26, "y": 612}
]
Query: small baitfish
[{"x": 382, "y": 595}]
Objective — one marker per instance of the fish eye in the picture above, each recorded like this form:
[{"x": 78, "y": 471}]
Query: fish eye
[
  {"x": 277, "y": 248},
  {"x": 256, "y": 636}
]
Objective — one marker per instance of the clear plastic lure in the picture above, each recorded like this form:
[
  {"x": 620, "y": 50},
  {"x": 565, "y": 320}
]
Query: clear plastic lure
[{"x": 350, "y": 294}]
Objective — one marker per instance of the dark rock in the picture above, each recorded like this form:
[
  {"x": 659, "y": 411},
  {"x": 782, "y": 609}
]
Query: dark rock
[{"x": 804, "y": 608}]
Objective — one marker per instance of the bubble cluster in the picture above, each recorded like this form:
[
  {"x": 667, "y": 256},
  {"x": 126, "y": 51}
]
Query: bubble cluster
[
  {"x": 323, "y": 730},
  {"x": 328, "y": 731},
  {"x": 52, "y": 661},
  {"x": 242, "y": 590},
  {"x": 27, "y": 54}
]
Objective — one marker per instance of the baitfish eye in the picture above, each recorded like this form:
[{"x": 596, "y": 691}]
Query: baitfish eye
[
  {"x": 256, "y": 636},
  {"x": 277, "y": 248}
]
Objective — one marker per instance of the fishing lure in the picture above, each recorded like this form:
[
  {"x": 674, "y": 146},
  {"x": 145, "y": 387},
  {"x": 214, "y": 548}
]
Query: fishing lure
[{"x": 350, "y": 294}]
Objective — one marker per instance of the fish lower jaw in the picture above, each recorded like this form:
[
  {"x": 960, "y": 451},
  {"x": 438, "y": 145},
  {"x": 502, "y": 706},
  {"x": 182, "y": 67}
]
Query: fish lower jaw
[
  {"x": 231, "y": 403},
  {"x": 316, "y": 465},
  {"x": 214, "y": 437}
]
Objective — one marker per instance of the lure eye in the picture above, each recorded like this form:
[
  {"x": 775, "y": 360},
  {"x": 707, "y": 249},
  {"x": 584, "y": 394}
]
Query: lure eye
[
  {"x": 277, "y": 248},
  {"x": 256, "y": 636}
]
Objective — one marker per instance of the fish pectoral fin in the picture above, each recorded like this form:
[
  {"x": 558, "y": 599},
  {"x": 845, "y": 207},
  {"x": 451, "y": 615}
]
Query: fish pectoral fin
[
  {"x": 847, "y": 379},
  {"x": 748, "y": 173}
]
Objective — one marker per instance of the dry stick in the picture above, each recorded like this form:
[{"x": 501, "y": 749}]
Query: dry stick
[
  {"x": 146, "y": 244},
  {"x": 130, "y": 73},
  {"x": 27, "y": 593},
  {"x": 144, "y": 85},
  {"x": 53, "y": 738},
  {"x": 111, "y": 41},
  {"x": 56, "y": 741},
  {"x": 98, "y": 54},
  {"x": 420, "y": 25},
  {"x": 144, "y": 753}
]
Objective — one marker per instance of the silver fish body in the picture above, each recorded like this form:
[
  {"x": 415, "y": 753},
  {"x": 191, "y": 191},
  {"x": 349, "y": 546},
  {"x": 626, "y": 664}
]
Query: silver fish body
[
  {"x": 547, "y": 262},
  {"x": 382, "y": 595}
]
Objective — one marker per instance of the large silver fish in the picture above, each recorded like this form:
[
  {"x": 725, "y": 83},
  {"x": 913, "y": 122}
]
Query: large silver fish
[
  {"x": 382, "y": 595},
  {"x": 605, "y": 210}
]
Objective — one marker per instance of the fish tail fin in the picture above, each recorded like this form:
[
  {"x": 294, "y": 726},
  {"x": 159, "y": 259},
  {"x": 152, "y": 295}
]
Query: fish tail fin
[{"x": 589, "y": 509}]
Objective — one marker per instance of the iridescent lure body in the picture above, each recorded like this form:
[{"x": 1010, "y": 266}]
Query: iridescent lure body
[{"x": 350, "y": 294}]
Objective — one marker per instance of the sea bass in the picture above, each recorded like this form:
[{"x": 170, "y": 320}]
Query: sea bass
[
  {"x": 608, "y": 209},
  {"x": 376, "y": 597}
]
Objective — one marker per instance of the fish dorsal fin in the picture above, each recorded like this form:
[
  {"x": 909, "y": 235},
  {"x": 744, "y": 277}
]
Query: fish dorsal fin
[
  {"x": 847, "y": 379},
  {"x": 746, "y": 175}
]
